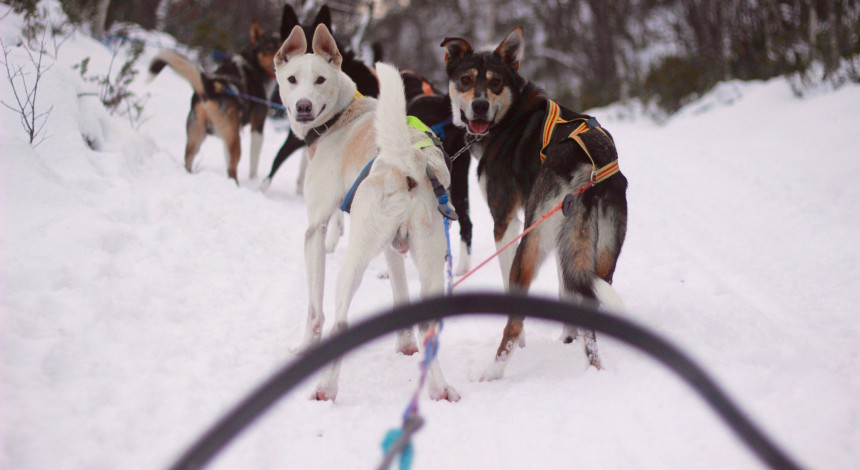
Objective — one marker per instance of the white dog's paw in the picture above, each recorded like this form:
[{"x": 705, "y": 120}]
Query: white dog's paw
[
  {"x": 311, "y": 339},
  {"x": 569, "y": 334},
  {"x": 324, "y": 393},
  {"x": 447, "y": 393},
  {"x": 406, "y": 343},
  {"x": 494, "y": 371}
]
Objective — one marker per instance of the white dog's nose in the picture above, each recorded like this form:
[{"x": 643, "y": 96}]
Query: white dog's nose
[{"x": 304, "y": 107}]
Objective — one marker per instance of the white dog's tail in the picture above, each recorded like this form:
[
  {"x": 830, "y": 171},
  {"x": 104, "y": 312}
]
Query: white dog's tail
[
  {"x": 392, "y": 132},
  {"x": 607, "y": 296},
  {"x": 184, "y": 67}
]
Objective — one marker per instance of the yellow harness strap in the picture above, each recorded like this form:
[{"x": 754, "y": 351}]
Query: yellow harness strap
[
  {"x": 553, "y": 118},
  {"x": 416, "y": 123}
]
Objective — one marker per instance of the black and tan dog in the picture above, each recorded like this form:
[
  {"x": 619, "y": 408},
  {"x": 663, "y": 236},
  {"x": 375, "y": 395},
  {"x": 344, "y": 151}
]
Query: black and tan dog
[
  {"x": 360, "y": 73},
  {"x": 220, "y": 104},
  {"x": 433, "y": 108},
  {"x": 532, "y": 154}
]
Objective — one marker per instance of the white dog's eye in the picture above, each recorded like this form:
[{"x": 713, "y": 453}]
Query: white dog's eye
[
  {"x": 320, "y": 80},
  {"x": 291, "y": 79}
]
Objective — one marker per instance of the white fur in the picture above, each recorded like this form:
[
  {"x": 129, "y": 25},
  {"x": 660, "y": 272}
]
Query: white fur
[
  {"x": 327, "y": 98},
  {"x": 383, "y": 208}
]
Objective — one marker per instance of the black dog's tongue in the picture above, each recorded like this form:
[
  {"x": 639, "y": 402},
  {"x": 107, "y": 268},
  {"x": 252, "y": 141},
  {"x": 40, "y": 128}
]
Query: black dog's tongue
[{"x": 479, "y": 127}]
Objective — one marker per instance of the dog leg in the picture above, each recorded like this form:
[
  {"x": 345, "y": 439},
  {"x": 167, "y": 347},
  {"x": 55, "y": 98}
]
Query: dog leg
[
  {"x": 303, "y": 167},
  {"x": 504, "y": 234},
  {"x": 315, "y": 267},
  {"x": 465, "y": 261},
  {"x": 258, "y": 121},
  {"x": 290, "y": 145},
  {"x": 460, "y": 200},
  {"x": 233, "y": 149},
  {"x": 196, "y": 131},
  {"x": 406, "y": 343},
  {"x": 569, "y": 333},
  {"x": 256, "y": 147},
  {"x": 360, "y": 251},
  {"x": 577, "y": 259},
  {"x": 335, "y": 231},
  {"x": 437, "y": 387},
  {"x": 428, "y": 254},
  {"x": 527, "y": 259}
]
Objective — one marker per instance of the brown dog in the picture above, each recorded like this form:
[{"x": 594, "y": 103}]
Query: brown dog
[{"x": 229, "y": 98}]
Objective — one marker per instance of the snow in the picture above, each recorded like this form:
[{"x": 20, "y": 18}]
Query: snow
[{"x": 139, "y": 303}]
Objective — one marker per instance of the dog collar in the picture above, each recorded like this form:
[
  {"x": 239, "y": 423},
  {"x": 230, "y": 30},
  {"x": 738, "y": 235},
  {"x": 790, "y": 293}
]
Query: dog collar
[{"x": 317, "y": 132}]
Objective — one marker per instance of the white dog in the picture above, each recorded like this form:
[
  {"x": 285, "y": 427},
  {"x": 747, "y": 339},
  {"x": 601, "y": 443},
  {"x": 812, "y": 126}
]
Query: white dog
[{"x": 394, "y": 209}]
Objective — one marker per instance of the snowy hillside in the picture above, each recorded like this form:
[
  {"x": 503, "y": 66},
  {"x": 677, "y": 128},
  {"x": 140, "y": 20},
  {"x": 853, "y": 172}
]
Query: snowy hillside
[{"x": 138, "y": 302}]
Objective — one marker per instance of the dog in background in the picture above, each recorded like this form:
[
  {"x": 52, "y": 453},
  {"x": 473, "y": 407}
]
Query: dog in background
[
  {"x": 433, "y": 107},
  {"x": 394, "y": 209},
  {"x": 360, "y": 73},
  {"x": 216, "y": 107},
  {"x": 532, "y": 154}
]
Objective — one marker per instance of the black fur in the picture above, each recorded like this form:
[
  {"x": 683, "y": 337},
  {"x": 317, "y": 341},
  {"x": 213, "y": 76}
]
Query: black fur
[
  {"x": 363, "y": 77},
  {"x": 587, "y": 242},
  {"x": 246, "y": 76}
]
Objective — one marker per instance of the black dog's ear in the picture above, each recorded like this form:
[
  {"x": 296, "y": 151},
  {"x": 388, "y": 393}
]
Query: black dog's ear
[
  {"x": 455, "y": 48},
  {"x": 256, "y": 33},
  {"x": 325, "y": 46},
  {"x": 295, "y": 45},
  {"x": 511, "y": 48},
  {"x": 323, "y": 17},
  {"x": 289, "y": 20}
]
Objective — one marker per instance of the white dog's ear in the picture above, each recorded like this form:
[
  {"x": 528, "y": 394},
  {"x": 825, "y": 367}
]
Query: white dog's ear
[
  {"x": 325, "y": 46},
  {"x": 295, "y": 45},
  {"x": 511, "y": 48}
]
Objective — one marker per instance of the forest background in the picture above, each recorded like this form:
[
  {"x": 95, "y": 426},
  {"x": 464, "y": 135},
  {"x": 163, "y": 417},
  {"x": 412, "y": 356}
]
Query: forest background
[{"x": 585, "y": 53}]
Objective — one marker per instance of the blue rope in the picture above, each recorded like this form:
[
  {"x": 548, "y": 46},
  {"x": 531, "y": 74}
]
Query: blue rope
[
  {"x": 244, "y": 96},
  {"x": 399, "y": 441},
  {"x": 347, "y": 201},
  {"x": 443, "y": 199}
]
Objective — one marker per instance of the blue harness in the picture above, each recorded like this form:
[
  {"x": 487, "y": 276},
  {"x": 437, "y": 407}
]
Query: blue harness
[{"x": 415, "y": 123}]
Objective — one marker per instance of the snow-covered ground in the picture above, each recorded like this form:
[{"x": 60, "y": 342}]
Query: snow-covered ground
[{"x": 138, "y": 303}]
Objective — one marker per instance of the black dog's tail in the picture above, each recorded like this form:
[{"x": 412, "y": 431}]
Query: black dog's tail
[{"x": 185, "y": 68}]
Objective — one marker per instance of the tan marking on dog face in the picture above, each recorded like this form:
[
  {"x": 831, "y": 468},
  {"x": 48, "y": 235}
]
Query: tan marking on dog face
[
  {"x": 466, "y": 82},
  {"x": 499, "y": 96},
  {"x": 465, "y": 89}
]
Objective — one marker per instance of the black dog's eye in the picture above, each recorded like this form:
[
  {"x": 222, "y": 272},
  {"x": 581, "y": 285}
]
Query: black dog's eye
[
  {"x": 495, "y": 84},
  {"x": 320, "y": 80},
  {"x": 465, "y": 81},
  {"x": 291, "y": 79}
]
